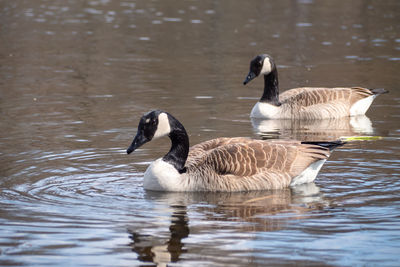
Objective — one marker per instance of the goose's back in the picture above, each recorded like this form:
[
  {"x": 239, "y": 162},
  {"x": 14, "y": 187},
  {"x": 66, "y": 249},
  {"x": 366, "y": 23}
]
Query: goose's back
[
  {"x": 319, "y": 103},
  {"x": 242, "y": 164}
]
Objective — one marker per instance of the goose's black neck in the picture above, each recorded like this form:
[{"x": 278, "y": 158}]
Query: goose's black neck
[
  {"x": 179, "y": 151},
  {"x": 271, "y": 88}
]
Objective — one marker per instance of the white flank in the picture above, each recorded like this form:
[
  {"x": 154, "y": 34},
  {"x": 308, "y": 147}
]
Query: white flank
[
  {"x": 309, "y": 174},
  {"x": 265, "y": 111},
  {"x": 163, "y": 127},
  {"x": 267, "y": 67},
  {"x": 361, "y": 106},
  {"x": 162, "y": 176}
]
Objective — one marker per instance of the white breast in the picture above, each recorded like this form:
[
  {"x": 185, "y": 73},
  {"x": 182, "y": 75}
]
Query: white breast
[
  {"x": 265, "y": 111},
  {"x": 162, "y": 176}
]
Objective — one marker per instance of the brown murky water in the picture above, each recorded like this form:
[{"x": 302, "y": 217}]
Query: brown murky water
[{"x": 77, "y": 75}]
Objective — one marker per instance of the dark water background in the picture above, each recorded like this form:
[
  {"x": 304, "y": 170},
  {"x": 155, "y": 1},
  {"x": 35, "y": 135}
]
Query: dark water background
[{"x": 75, "y": 77}]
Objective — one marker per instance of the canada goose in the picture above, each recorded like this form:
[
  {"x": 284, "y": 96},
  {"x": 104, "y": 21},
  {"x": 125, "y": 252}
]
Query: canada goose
[
  {"x": 306, "y": 102},
  {"x": 226, "y": 164}
]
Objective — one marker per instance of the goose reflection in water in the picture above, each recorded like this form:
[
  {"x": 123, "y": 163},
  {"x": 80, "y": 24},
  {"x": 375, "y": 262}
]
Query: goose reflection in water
[
  {"x": 150, "y": 249},
  {"x": 313, "y": 130},
  {"x": 255, "y": 211},
  {"x": 266, "y": 210}
]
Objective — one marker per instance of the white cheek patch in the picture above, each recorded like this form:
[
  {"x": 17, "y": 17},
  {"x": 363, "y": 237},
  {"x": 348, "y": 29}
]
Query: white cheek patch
[
  {"x": 267, "y": 67},
  {"x": 163, "y": 127}
]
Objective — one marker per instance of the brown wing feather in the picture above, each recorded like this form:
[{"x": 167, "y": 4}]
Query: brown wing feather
[
  {"x": 197, "y": 152},
  {"x": 317, "y": 103},
  {"x": 256, "y": 157},
  {"x": 358, "y": 93},
  {"x": 308, "y": 96}
]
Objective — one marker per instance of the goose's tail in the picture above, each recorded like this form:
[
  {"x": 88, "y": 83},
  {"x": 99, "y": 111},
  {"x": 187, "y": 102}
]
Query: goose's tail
[
  {"x": 330, "y": 145},
  {"x": 379, "y": 91}
]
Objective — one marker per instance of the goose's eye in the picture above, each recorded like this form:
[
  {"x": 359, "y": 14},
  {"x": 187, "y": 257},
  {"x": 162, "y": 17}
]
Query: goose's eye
[{"x": 149, "y": 122}]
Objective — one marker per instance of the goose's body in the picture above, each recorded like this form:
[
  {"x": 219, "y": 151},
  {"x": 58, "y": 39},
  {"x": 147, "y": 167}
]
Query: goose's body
[
  {"x": 306, "y": 102},
  {"x": 227, "y": 164}
]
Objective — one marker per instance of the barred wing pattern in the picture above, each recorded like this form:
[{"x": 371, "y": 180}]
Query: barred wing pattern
[
  {"x": 233, "y": 164},
  {"x": 315, "y": 103}
]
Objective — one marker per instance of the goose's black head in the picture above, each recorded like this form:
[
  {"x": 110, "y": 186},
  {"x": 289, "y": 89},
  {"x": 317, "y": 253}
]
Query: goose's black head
[
  {"x": 152, "y": 125},
  {"x": 261, "y": 64}
]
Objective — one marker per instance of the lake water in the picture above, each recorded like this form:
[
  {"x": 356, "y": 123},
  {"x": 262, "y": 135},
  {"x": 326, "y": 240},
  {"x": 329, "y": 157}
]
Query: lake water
[{"x": 76, "y": 76}]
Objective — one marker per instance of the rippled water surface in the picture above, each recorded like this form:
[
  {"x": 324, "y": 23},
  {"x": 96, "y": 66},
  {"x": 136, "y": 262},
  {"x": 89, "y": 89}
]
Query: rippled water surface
[{"x": 75, "y": 77}]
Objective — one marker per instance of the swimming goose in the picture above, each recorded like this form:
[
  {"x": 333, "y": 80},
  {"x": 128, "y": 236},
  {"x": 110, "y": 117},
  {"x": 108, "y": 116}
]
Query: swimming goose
[
  {"x": 226, "y": 164},
  {"x": 306, "y": 102}
]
